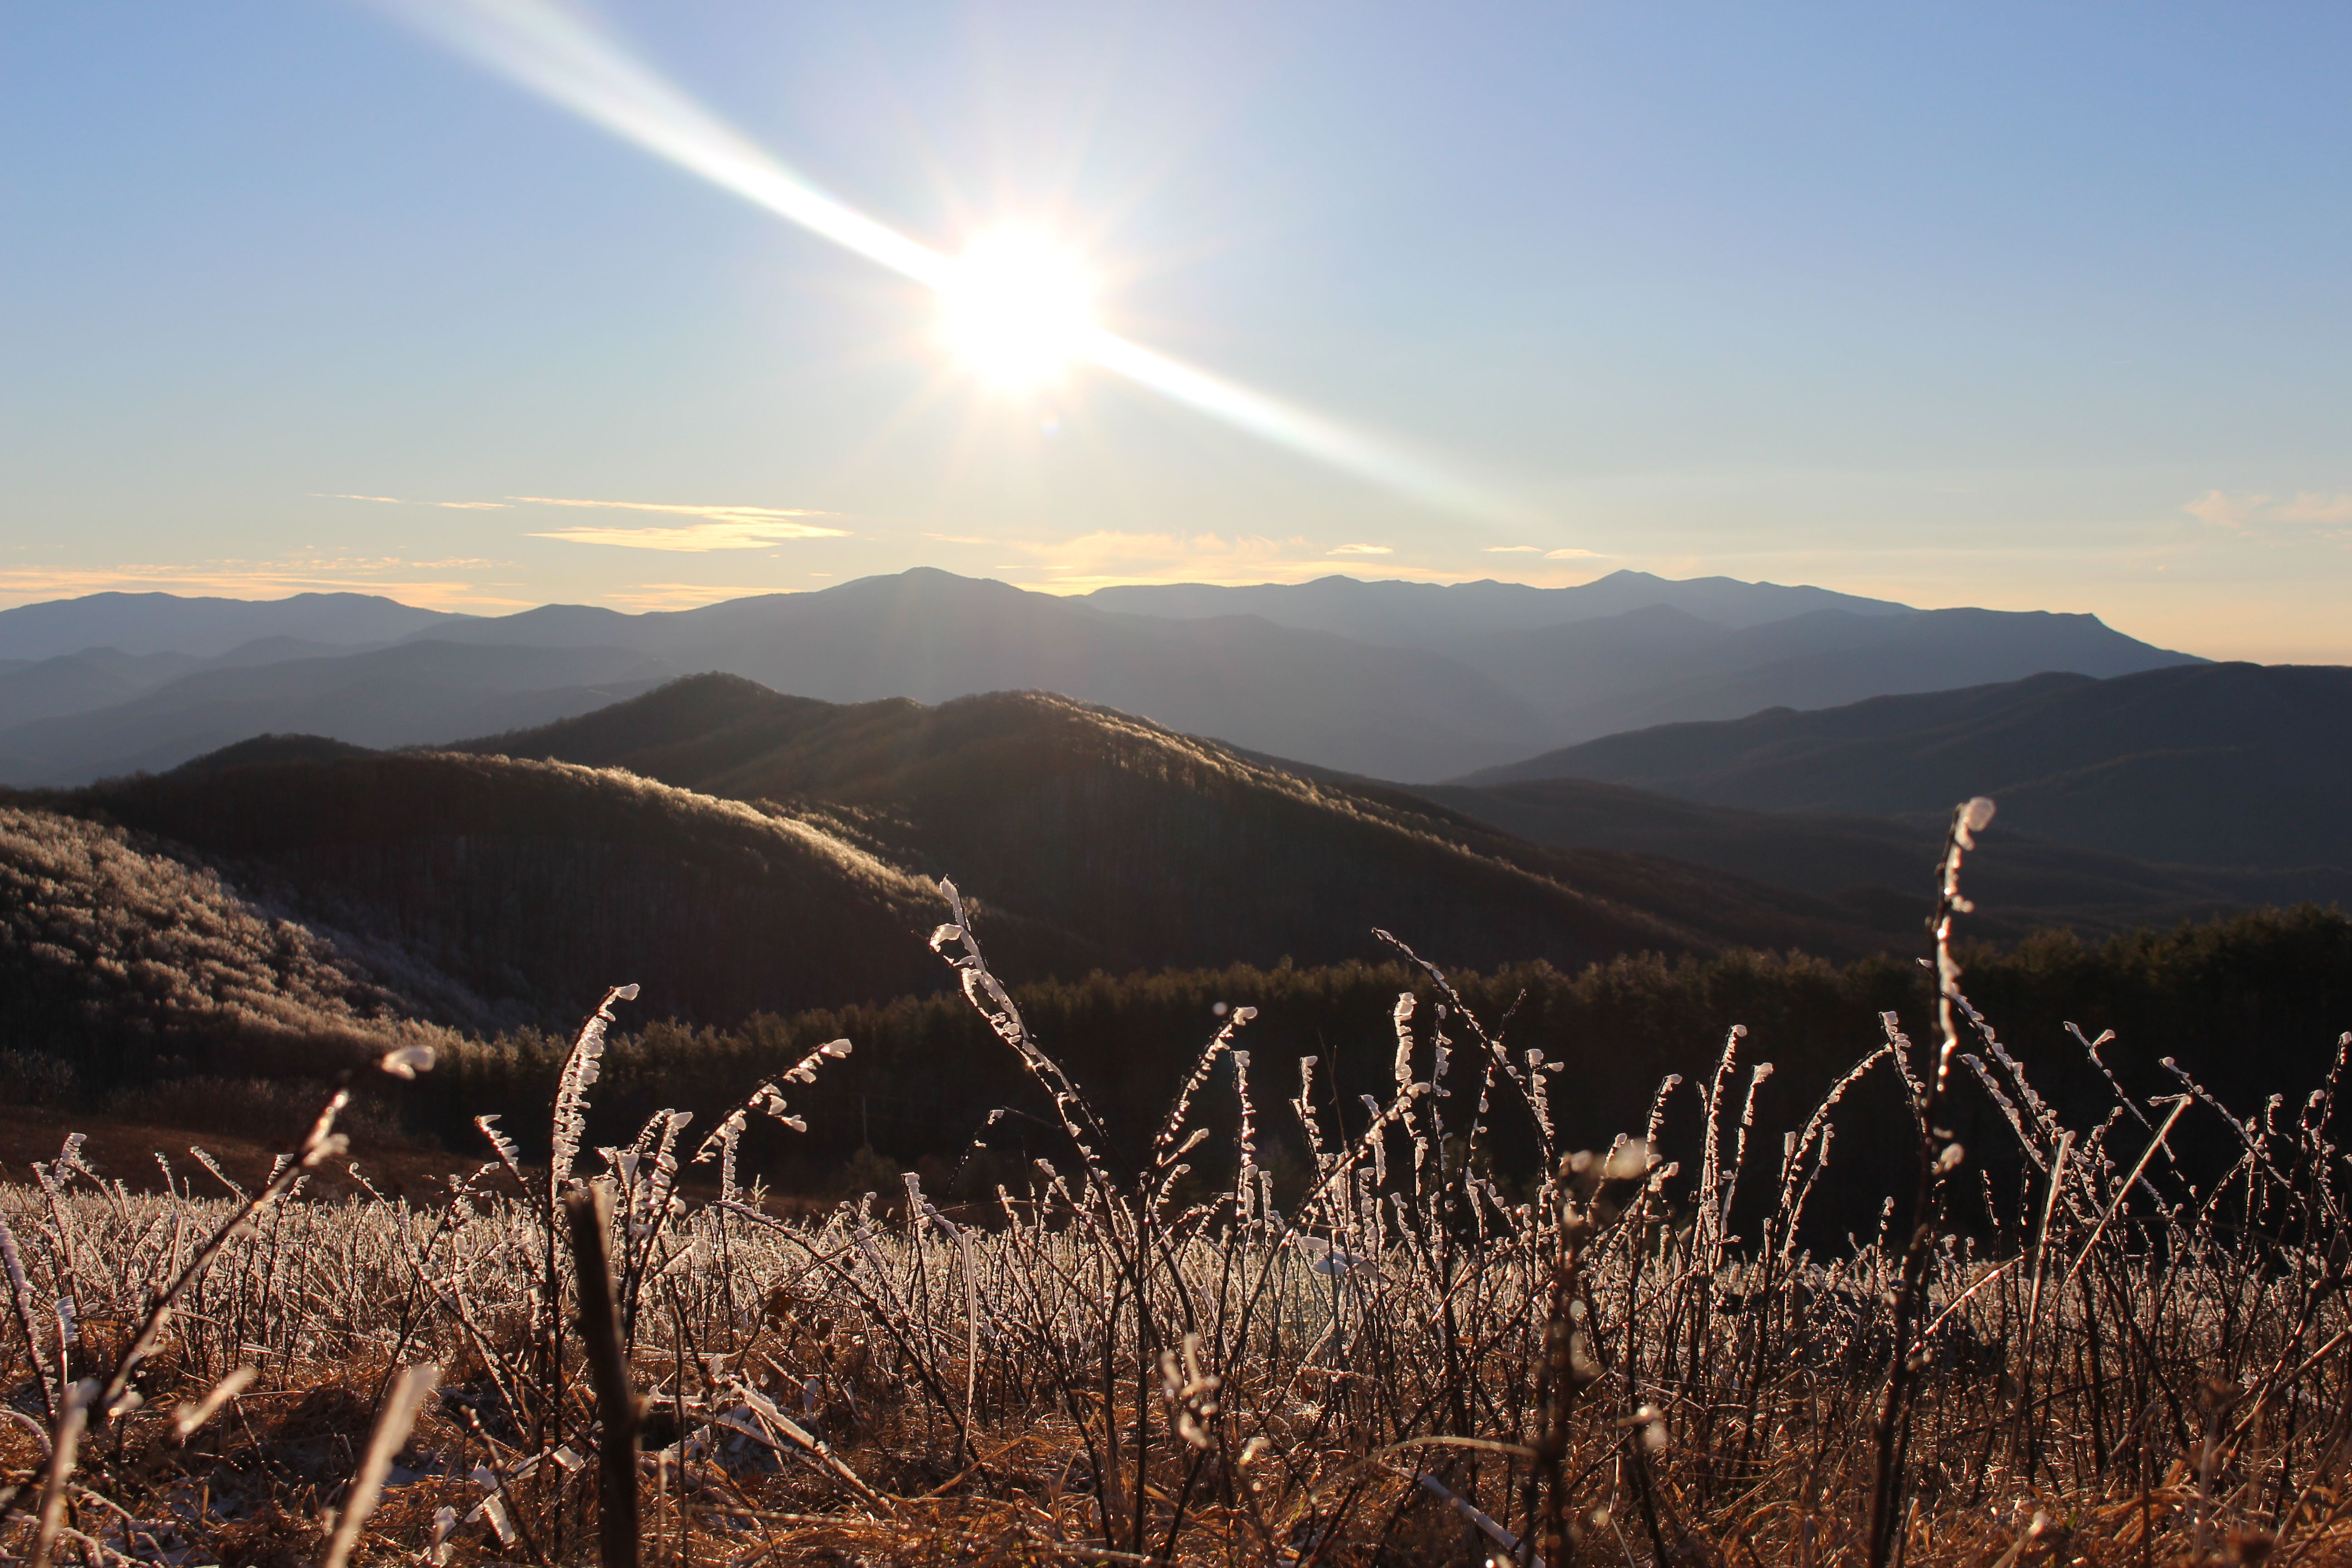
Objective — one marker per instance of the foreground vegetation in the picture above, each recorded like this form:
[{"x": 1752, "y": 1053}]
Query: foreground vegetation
[{"x": 1261, "y": 1331}]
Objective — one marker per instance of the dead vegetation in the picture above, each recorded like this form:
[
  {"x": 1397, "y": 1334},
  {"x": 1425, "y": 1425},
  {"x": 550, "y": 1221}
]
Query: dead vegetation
[{"x": 2137, "y": 1355}]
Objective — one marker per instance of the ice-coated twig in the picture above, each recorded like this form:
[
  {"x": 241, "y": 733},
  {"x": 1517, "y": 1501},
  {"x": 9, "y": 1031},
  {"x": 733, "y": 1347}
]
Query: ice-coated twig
[{"x": 393, "y": 1425}]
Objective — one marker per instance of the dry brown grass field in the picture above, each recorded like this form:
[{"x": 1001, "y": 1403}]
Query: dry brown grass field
[{"x": 2133, "y": 1355}]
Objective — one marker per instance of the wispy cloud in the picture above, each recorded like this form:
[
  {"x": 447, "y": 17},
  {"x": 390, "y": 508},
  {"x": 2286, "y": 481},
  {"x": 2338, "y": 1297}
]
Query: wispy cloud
[
  {"x": 719, "y": 528},
  {"x": 2255, "y": 515},
  {"x": 2224, "y": 511},
  {"x": 1515, "y": 550},
  {"x": 397, "y": 500},
  {"x": 1572, "y": 553},
  {"x": 697, "y": 538},
  {"x": 1360, "y": 550},
  {"x": 2328, "y": 511}
]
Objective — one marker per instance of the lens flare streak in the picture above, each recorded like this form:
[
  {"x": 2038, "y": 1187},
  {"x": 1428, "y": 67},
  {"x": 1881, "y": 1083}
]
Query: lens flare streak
[
  {"x": 558, "y": 56},
  {"x": 1295, "y": 428},
  {"x": 542, "y": 46}
]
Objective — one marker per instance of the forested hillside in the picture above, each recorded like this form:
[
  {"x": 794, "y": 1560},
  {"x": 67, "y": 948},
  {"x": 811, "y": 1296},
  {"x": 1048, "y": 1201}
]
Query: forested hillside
[
  {"x": 959, "y": 790},
  {"x": 1152, "y": 847}
]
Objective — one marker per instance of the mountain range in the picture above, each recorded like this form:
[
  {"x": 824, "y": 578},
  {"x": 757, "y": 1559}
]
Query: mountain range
[
  {"x": 405, "y": 694},
  {"x": 741, "y": 849},
  {"x": 963, "y": 790},
  {"x": 139, "y": 623},
  {"x": 506, "y": 883},
  {"x": 1632, "y": 650},
  {"x": 1410, "y": 681}
]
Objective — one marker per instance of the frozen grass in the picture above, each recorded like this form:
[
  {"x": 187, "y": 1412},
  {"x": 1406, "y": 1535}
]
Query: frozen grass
[{"x": 1406, "y": 1364}]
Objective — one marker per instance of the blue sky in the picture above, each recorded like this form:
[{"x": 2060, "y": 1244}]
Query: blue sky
[{"x": 2034, "y": 306}]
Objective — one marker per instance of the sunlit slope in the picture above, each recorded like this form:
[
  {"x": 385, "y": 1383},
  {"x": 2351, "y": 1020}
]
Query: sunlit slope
[
  {"x": 534, "y": 884},
  {"x": 1156, "y": 849},
  {"x": 117, "y": 948}
]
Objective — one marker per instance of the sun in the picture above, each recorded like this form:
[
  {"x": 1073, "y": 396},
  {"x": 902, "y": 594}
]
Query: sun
[{"x": 1017, "y": 309}]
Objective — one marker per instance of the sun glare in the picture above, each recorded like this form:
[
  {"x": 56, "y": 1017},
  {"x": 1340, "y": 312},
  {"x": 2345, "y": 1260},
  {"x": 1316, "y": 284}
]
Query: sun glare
[{"x": 1017, "y": 309}]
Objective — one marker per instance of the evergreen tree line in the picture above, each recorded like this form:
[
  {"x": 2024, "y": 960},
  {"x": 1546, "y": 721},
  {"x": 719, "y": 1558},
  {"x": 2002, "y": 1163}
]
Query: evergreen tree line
[{"x": 2249, "y": 1006}]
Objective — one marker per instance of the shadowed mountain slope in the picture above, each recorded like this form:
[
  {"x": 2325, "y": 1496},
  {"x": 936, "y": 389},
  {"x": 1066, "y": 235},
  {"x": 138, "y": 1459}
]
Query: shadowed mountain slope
[
  {"x": 1152, "y": 847},
  {"x": 1874, "y": 864},
  {"x": 2226, "y": 765},
  {"x": 1660, "y": 665}
]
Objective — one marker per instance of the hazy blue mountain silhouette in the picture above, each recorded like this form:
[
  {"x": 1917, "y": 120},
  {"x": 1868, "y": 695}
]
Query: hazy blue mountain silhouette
[
  {"x": 100, "y": 678},
  {"x": 1632, "y": 650},
  {"x": 2218, "y": 764},
  {"x": 391, "y": 696},
  {"x": 204, "y": 627},
  {"x": 1424, "y": 615},
  {"x": 1399, "y": 680},
  {"x": 1385, "y": 678},
  {"x": 932, "y": 636}
]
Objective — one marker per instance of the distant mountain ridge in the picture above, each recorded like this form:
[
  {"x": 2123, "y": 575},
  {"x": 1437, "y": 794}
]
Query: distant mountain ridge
[
  {"x": 403, "y": 695},
  {"x": 140, "y": 624},
  {"x": 1410, "y": 681},
  {"x": 2217, "y": 765},
  {"x": 1420, "y": 615},
  {"x": 1631, "y": 649}
]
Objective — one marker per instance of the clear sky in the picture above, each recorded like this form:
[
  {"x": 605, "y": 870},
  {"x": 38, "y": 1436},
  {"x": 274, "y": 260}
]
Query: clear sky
[{"x": 2034, "y": 306}]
